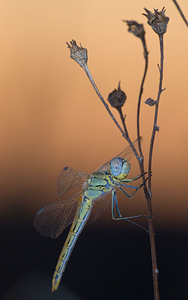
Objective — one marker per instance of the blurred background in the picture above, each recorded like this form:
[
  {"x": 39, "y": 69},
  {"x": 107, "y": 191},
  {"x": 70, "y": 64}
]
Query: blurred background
[{"x": 50, "y": 117}]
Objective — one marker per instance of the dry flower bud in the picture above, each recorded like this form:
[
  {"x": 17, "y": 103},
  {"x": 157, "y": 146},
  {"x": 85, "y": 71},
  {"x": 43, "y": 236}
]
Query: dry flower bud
[
  {"x": 79, "y": 54},
  {"x": 117, "y": 98},
  {"x": 150, "y": 102},
  {"x": 157, "y": 20},
  {"x": 135, "y": 28}
]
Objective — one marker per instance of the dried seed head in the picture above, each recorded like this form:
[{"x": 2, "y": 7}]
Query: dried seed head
[
  {"x": 150, "y": 102},
  {"x": 157, "y": 20},
  {"x": 135, "y": 28},
  {"x": 79, "y": 54},
  {"x": 117, "y": 98}
]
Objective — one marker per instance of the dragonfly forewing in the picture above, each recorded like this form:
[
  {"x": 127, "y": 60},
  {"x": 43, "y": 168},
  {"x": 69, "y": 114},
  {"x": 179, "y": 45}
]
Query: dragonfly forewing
[
  {"x": 126, "y": 153},
  {"x": 71, "y": 181}
]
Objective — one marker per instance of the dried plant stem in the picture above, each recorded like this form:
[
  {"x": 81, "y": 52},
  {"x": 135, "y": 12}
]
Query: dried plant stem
[
  {"x": 155, "y": 127},
  {"x": 141, "y": 91},
  {"x": 155, "y": 270},
  {"x": 147, "y": 195},
  {"x": 180, "y": 11},
  {"x": 141, "y": 158},
  {"x": 126, "y": 135},
  {"x": 150, "y": 221},
  {"x": 86, "y": 69},
  {"x": 125, "y": 131},
  {"x": 139, "y": 155}
]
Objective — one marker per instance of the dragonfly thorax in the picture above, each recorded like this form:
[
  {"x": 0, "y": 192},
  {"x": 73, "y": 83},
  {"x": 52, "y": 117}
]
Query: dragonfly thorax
[{"x": 119, "y": 167}]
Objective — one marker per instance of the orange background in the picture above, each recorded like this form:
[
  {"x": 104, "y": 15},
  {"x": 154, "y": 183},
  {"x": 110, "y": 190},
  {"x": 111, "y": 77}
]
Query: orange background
[{"x": 51, "y": 117}]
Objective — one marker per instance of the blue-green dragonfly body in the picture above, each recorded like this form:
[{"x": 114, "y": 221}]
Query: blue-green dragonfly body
[{"x": 52, "y": 219}]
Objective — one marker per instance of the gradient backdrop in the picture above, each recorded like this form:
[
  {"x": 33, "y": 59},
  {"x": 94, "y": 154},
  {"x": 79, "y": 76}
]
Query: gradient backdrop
[{"x": 51, "y": 117}]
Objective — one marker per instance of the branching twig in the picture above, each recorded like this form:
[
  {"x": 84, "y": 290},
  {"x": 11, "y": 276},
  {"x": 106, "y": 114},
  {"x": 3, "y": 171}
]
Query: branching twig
[
  {"x": 86, "y": 69},
  {"x": 117, "y": 98},
  {"x": 155, "y": 127},
  {"x": 158, "y": 21},
  {"x": 138, "y": 30},
  {"x": 149, "y": 206},
  {"x": 141, "y": 92},
  {"x": 79, "y": 54}
]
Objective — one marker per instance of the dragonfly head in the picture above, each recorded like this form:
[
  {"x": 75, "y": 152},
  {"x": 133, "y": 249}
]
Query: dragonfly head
[{"x": 119, "y": 167}]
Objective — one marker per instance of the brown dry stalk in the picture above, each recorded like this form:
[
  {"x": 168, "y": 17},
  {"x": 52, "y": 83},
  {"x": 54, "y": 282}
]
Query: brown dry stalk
[
  {"x": 158, "y": 21},
  {"x": 180, "y": 11}
]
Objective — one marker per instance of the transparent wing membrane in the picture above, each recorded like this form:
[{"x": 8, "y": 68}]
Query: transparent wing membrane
[
  {"x": 99, "y": 206},
  {"x": 126, "y": 153},
  {"x": 70, "y": 179},
  {"x": 52, "y": 219}
]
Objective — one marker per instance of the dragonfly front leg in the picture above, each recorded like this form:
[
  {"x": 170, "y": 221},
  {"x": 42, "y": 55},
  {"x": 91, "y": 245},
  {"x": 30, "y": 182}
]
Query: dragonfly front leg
[
  {"x": 134, "y": 178},
  {"x": 115, "y": 206},
  {"x": 130, "y": 186}
]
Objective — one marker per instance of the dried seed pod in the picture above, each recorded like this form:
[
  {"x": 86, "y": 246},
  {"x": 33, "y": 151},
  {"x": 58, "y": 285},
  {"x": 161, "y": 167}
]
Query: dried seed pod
[
  {"x": 157, "y": 20},
  {"x": 117, "y": 98},
  {"x": 79, "y": 54},
  {"x": 135, "y": 28}
]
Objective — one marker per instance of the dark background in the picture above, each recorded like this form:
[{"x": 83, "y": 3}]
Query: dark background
[{"x": 108, "y": 262}]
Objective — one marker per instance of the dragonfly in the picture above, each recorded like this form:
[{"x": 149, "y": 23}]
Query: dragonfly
[{"x": 84, "y": 198}]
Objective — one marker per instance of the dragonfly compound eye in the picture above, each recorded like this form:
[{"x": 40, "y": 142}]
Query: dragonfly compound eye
[{"x": 116, "y": 166}]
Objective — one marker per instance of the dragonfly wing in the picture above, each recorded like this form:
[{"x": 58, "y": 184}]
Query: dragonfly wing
[
  {"x": 70, "y": 179},
  {"x": 126, "y": 153},
  {"x": 99, "y": 205},
  {"x": 52, "y": 219}
]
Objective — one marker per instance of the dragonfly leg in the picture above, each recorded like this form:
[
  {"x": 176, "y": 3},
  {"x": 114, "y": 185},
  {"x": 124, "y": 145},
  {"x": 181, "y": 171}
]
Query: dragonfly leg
[
  {"x": 115, "y": 206},
  {"x": 119, "y": 184},
  {"x": 134, "y": 178},
  {"x": 114, "y": 202},
  {"x": 132, "y": 187},
  {"x": 128, "y": 186}
]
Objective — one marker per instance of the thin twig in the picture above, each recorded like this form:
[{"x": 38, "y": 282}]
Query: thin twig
[
  {"x": 150, "y": 221},
  {"x": 155, "y": 270},
  {"x": 138, "y": 30},
  {"x": 79, "y": 54},
  {"x": 141, "y": 160},
  {"x": 141, "y": 91},
  {"x": 180, "y": 11},
  {"x": 86, "y": 69},
  {"x": 125, "y": 131},
  {"x": 155, "y": 127},
  {"x": 126, "y": 135},
  {"x": 158, "y": 22}
]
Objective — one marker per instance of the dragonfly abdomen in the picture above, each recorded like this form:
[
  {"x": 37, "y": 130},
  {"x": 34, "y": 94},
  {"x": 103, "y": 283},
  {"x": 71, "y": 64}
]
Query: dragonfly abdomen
[{"x": 82, "y": 214}]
